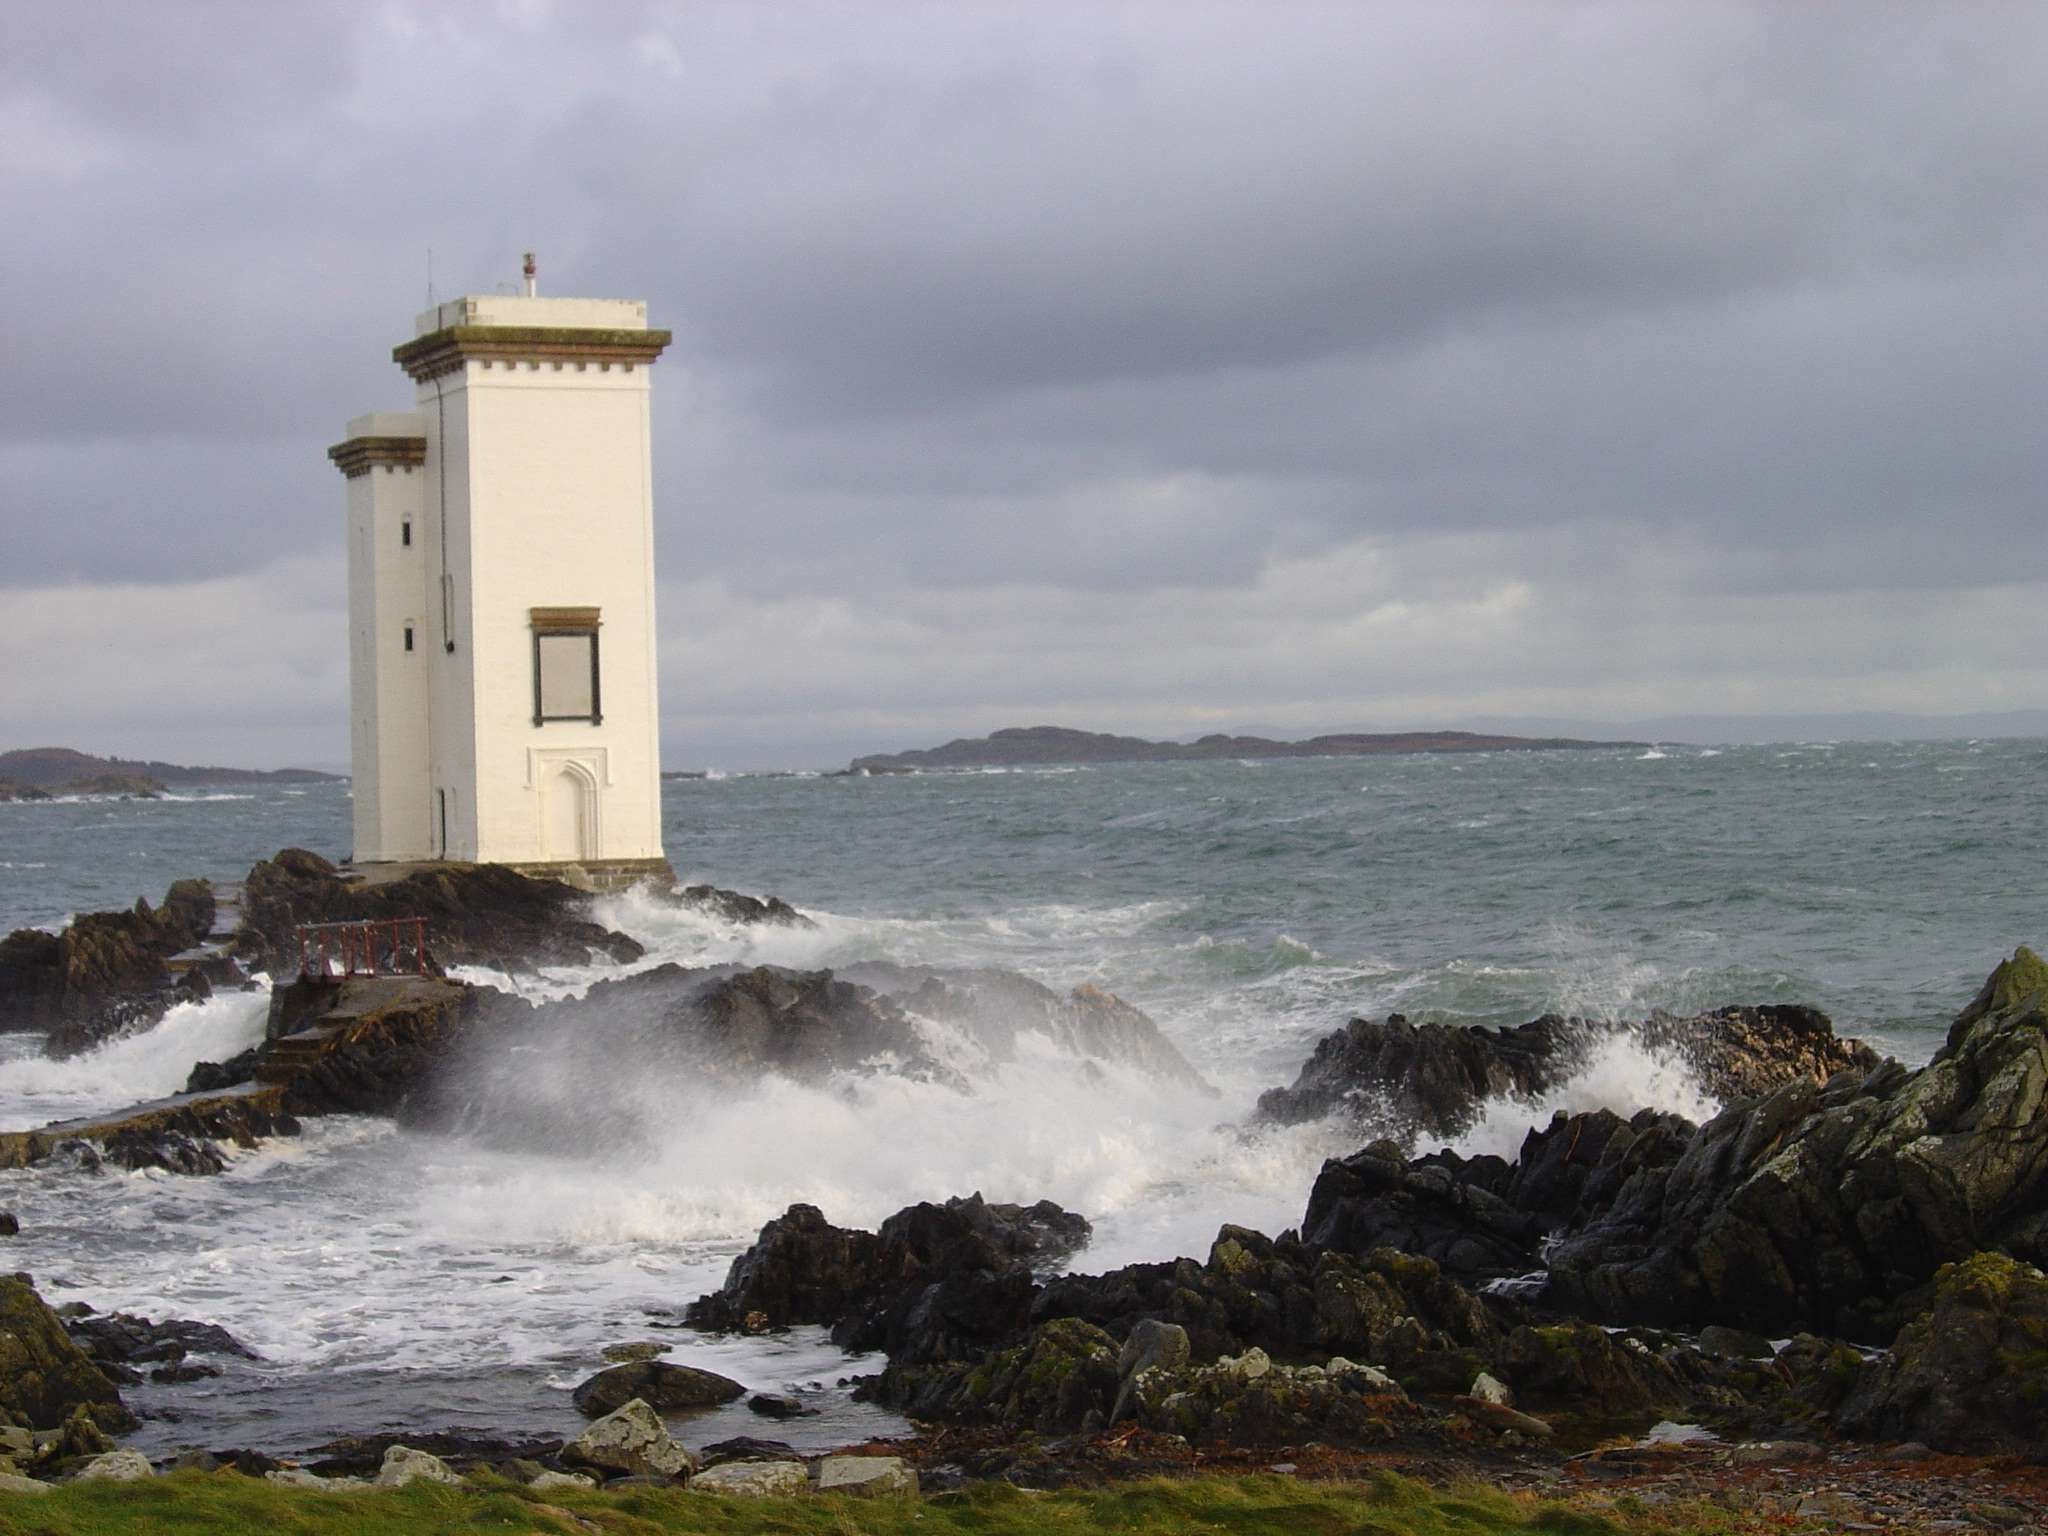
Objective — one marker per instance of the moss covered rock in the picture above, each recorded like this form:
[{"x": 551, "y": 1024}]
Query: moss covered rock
[
  {"x": 1969, "y": 1375},
  {"x": 44, "y": 1377}
]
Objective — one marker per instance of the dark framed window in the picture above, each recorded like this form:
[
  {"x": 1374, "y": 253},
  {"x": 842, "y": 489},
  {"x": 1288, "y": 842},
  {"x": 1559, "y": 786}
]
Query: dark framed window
[
  {"x": 565, "y": 666},
  {"x": 408, "y": 637},
  {"x": 405, "y": 533}
]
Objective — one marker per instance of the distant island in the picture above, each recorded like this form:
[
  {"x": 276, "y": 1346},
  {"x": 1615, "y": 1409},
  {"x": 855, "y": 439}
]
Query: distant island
[
  {"x": 43, "y": 773},
  {"x": 1056, "y": 746}
]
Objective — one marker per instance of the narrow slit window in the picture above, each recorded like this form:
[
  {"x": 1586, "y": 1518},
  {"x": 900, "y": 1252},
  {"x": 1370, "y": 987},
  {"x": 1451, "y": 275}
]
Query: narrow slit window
[
  {"x": 565, "y": 666},
  {"x": 405, "y": 537},
  {"x": 408, "y": 637}
]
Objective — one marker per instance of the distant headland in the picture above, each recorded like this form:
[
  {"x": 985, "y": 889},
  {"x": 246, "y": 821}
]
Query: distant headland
[
  {"x": 1057, "y": 746},
  {"x": 43, "y": 773}
]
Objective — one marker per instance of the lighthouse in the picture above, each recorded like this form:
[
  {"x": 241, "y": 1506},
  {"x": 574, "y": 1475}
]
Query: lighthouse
[{"x": 503, "y": 699}]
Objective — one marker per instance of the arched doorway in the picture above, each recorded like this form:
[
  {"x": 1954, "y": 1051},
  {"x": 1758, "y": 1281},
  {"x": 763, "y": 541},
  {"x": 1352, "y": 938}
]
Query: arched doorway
[{"x": 568, "y": 814}]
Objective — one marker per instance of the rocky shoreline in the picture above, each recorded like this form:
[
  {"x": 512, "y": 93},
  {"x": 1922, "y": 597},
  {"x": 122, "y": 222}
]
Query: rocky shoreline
[{"x": 1833, "y": 1278}]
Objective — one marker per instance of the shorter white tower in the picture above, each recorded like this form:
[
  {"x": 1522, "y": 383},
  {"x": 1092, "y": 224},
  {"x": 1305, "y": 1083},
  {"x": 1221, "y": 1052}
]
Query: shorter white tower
[{"x": 504, "y": 706}]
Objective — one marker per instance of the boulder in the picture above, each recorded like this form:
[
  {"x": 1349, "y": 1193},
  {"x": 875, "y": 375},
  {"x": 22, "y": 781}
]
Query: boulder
[
  {"x": 121, "y": 1338},
  {"x": 733, "y": 907},
  {"x": 756, "y": 1479},
  {"x": 779, "y": 1405},
  {"x": 1431, "y": 1081},
  {"x": 869, "y": 1475},
  {"x": 631, "y": 1442},
  {"x": 116, "y": 1467},
  {"x": 801, "y": 1269},
  {"x": 1969, "y": 1375},
  {"x": 11, "y": 1482},
  {"x": 660, "y": 1384},
  {"x": 299, "y": 1477},
  {"x": 1442, "y": 1206},
  {"x": 44, "y": 1376},
  {"x": 403, "y": 1465},
  {"x": 545, "y": 1481},
  {"x": 1832, "y": 1207}
]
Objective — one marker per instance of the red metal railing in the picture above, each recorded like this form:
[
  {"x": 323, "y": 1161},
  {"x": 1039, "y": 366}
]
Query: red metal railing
[{"x": 385, "y": 946}]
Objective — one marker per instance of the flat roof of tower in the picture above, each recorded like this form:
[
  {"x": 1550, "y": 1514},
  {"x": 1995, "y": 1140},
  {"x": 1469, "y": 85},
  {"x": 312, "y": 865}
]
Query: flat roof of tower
[{"x": 517, "y": 309}]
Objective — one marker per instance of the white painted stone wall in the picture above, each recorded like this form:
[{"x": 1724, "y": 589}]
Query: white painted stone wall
[{"x": 387, "y": 685}]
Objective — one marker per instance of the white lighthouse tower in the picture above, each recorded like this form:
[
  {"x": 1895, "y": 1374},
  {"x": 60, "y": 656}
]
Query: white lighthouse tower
[{"x": 501, "y": 594}]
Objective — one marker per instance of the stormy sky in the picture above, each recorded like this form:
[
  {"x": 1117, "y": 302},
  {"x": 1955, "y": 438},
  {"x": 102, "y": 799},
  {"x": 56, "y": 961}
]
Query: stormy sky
[{"x": 1161, "y": 368}]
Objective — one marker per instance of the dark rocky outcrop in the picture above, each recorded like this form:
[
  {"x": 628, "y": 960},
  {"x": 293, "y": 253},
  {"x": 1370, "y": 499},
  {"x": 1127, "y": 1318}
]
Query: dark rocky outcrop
[
  {"x": 1832, "y": 1207},
  {"x": 658, "y": 1383},
  {"x": 936, "y": 1282},
  {"x": 119, "y": 1342},
  {"x": 1483, "y": 1217},
  {"x": 736, "y": 907},
  {"x": 44, "y": 1377},
  {"x": 377, "y": 1046},
  {"x": 476, "y": 914},
  {"x": 106, "y": 974},
  {"x": 212, "y": 1076},
  {"x": 1970, "y": 1374},
  {"x": 178, "y": 1136},
  {"x": 1431, "y": 1081}
]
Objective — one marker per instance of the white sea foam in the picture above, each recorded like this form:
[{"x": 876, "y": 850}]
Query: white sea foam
[
  {"x": 35, "y": 1090},
  {"x": 1621, "y": 1074}
]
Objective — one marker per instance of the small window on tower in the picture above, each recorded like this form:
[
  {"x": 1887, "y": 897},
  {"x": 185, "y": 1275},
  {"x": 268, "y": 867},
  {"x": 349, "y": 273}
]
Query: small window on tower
[
  {"x": 405, "y": 538},
  {"x": 408, "y": 637},
  {"x": 565, "y": 675}
]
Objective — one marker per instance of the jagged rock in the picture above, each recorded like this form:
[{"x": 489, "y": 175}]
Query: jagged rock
[
  {"x": 733, "y": 907},
  {"x": 658, "y": 1383},
  {"x": 1578, "y": 1368},
  {"x": 104, "y": 975},
  {"x": 866, "y": 1475},
  {"x": 1441, "y": 1206},
  {"x": 937, "y": 1282},
  {"x": 1735, "y": 1344},
  {"x": 404, "y": 1465},
  {"x": 212, "y": 1076},
  {"x": 121, "y": 1338},
  {"x": 1488, "y": 1389},
  {"x": 44, "y": 1376},
  {"x": 748, "y": 1448},
  {"x": 389, "y": 1047},
  {"x": 1832, "y": 1207},
  {"x": 1431, "y": 1080},
  {"x": 364, "y": 1455},
  {"x": 755, "y": 1479},
  {"x": 801, "y": 1269},
  {"x": 632, "y": 1442},
  {"x": 477, "y": 914},
  {"x": 116, "y": 1467},
  {"x": 1150, "y": 1346},
  {"x": 1969, "y": 1375}
]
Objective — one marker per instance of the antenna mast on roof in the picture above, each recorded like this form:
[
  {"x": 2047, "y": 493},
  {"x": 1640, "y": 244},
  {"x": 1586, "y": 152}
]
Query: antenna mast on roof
[{"x": 531, "y": 273}]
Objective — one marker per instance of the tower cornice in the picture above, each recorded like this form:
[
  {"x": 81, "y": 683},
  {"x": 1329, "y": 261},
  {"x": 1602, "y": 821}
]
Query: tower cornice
[
  {"x": 448, "y": 350},
  {"x": 360, "y": 455}
]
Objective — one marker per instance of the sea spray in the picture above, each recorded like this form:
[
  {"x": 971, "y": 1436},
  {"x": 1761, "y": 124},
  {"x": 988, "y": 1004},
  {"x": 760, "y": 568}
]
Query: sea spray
[{"x": 132, "y": 1069}]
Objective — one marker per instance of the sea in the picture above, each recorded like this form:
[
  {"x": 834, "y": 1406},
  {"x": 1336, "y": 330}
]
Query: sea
[{"x": 394, "y": 1280}]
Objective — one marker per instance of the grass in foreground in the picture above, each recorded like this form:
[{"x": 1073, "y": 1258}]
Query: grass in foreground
[{"x": 188, "y": 1503}]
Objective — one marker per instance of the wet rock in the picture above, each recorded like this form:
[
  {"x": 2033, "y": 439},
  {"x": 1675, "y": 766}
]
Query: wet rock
[
  {"x": 871, "y": 1475},
  {"x": 363, "y": 1455},
  {"x": 777, "y": 1405},
  {"x": 733, "y": 907},
  {"x": 1969, "y": 1375},
  {"x": 174, "y": 1375},
  {"x": 659, "y": 1383},
  {"x": 44, "y": 1376},
  {"x": 9, "y": 1225},
  {"x": 1430, "y": 1081},
  {"x": 478, "y": 914},
  {"x": 116, "y": 1467},
  {"x": 631, "y": 1442},
  {"x": 1831, "y": 1207},
  {"x": 105, "y": 975},
  {"x": 212, "y": 1076},
  {"x": 1442, "y": 1207},
  {"x": 125, "y": 1339},
  {"x": 756, "y": 1479},
  {"x": 403, "y": 1465},
  {"x": 801, "y": 1269}
]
